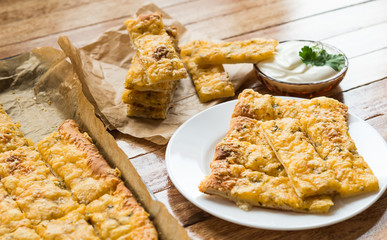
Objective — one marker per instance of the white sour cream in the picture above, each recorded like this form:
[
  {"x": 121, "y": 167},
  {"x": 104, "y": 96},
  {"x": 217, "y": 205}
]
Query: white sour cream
[{"x": 287, "y": 65}]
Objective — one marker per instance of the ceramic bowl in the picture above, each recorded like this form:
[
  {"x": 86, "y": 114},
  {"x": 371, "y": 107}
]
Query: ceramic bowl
[{"x": 303, "y": 88}]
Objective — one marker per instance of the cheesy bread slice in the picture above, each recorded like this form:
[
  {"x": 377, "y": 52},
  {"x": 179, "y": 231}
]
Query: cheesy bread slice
[
  {"x": 150, "y": 98},
  {"x": 254, "y": 105},
  {"x": 72, "y": 226},
  {"x": 246, "y": 187},
  {"x": 138, "y": 110},
  {"x": 156, "y": 52},
  {"x": 309, "y": 174},
  {"x": 76, "y": 160},
  {"x": 36, "y": 191},
  {"x": 328, "y": 131},
  {"x": 12, "y": 218},
  {"x": 248, "y": 51},
  {"x": 136, "y": 78},
  {"x": 119, "y": 216},
  {"x": 245, "y": 144},
  {"x": 210, "y": 80},
  {"x": 22, "y": 233},
  {"x": 11, "y": 136}
]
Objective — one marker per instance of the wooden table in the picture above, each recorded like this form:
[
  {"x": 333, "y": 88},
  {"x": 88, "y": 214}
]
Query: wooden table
[{"x": 357, "y": 27}]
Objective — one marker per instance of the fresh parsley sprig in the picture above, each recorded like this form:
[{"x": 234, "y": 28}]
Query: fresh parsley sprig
[{"x": 318, "y": 56}]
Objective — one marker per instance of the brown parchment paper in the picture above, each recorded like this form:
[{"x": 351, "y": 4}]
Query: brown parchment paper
[
  {"x": 103, "y": 64},
  {"x": 40, "y": 90}
]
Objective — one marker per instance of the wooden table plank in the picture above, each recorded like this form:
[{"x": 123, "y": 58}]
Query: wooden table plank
[
  {"x": 14, "y": 11},
  {"x": 187, "y": 213},
  {"x": 325, "y": 25},
  {"x": 264, "y": 16},
  {"x": 152, "y": 170},
  {"x": 367, "y": 101},
  {"x": 354, "y": 44},
  {"x": 64, "y": 19},
  {"x": 364, "y": 70}
]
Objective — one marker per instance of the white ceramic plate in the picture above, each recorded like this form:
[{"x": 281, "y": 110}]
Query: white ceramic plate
[{"x": 191, "y": 150}]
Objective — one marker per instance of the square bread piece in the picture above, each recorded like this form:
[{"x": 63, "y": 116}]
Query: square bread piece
[
  {"x": 150, "y": 98},
  {"x": 119, "y": 216},
  {"x": 309, "y": 174},
  {"x": 211, "y": 80},
  {"x": 12, "y": 218},
  {"x": 255, "y": 105},
  {"x": 12, "y": 137},
  {"x": 75, "y": 159},
  {"x": 229, "y": 178},
  {"x": 246, "y": 136},
  {"x": 248, "y": 51},
  {"x": 138, "y": 110},
  {"x": 22, "y": 233},
  {"x": 324, "y": 120},
  {"x": 156, "y": 51},
  {"x": 137, "y": 79},
  {"x": 37, "y": 192},
  {"x": 72, "y": 226}
]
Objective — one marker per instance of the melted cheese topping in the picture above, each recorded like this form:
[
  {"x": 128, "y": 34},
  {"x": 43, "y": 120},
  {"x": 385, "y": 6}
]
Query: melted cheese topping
[
  {"x": 249, "y": 51},
  {"x": 11, "y": 217},
  {"x": 36, "y": 191},
  {"x": 245, "y": 144},
  {"x": 329, "y": 132},
  {"x": 254, "y": 105},
  {"x": 246, "y": 170},
  {"x": 22, "y": 233},
  {"x": 136, "y": 78},
  {"x": 118, "y": 216},
  {"x": 71, "y": 164},
  {"x": 110, "y": 206},
  {"x": 10, "y": 135},
  {"x": 211, "y": 81},
  {"x": 309, "y": 174},
  {"x": 324, "y": 121},
  {"x": 156, "y": 51},
  {"x": 72, "y": 226}
]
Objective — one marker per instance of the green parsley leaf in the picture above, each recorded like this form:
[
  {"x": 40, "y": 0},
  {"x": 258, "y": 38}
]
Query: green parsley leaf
[{"x": 318, "y": 56}]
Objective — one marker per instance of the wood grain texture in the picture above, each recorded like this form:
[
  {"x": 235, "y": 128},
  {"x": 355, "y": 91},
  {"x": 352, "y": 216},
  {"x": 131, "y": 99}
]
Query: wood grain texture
[
  {"x": 325, "y": 25},
  {"x": 358, "y": 27},
  {"x": 263, "y": 16}
]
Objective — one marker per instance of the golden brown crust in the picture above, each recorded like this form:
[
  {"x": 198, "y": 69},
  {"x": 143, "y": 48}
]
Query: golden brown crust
[{"x": 97, "y": 164}]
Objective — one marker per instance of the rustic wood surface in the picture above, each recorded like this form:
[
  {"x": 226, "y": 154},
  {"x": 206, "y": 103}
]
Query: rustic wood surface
[{"x": 358, "y": 27}]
